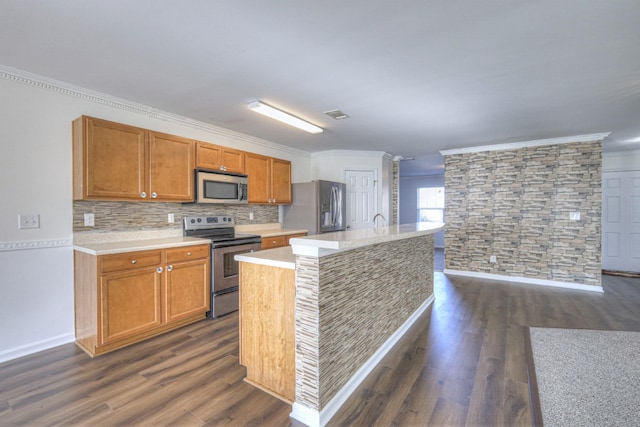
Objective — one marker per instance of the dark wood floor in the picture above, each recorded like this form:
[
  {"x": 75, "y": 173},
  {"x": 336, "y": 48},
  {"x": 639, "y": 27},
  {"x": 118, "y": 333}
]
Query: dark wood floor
[{"x": 463, "y": 363}]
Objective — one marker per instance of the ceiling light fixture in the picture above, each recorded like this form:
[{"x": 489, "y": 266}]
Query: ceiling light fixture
[{"x": 287, "y": 118}]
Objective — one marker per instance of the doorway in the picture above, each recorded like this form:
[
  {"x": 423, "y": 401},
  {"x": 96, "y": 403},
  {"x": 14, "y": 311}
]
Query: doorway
[
  {"x": 621, "y": 221},
  {"x": 361, "y": 198}
]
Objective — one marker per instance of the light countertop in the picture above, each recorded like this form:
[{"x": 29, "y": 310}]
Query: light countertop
[
  {"x": 327, "y": 243},
  {"x": 278, "y": 257},
  {"x": 107, "y": 248},
  {"x": 268, "y": 230}
]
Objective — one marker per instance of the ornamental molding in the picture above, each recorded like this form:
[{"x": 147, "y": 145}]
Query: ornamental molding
[
  {"x": 594, "y": 137},
  {"x": 35, "y": 244},
  {"x": 45, "y": 83}
]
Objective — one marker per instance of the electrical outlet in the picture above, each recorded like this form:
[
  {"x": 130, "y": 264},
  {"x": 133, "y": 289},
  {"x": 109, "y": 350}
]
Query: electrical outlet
[
  {"x": 89, "y": 220},
  {"x": 251, "y": 216},
  {"x": 28, "y": 221},
  {"x": 171, "y": 218},
  {"x": 574, "y": 216},
  {"x": 492, "y": 259}
]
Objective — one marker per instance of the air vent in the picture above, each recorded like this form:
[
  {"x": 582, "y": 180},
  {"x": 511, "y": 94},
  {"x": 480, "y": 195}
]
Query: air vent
[{"x": 337, "y": 114}]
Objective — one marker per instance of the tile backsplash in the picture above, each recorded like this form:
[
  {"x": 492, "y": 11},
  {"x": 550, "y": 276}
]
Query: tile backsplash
[{"x": 131, "y": 216}]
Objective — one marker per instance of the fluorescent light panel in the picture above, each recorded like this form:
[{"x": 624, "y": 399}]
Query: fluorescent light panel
[{"x": 287, "y": 118}]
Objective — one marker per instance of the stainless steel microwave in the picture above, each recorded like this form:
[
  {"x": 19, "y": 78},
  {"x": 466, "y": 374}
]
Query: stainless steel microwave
[{"x": 217, "y": 187}]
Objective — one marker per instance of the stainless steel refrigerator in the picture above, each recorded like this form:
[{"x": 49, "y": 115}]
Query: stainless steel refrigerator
[{"x": 318, "y": 206}]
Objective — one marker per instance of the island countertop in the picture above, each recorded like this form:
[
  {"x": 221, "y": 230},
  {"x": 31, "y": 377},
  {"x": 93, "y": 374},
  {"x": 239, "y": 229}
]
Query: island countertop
[
  {"x": 323, "y": 244},
  {"x": 279, "y": 257}
]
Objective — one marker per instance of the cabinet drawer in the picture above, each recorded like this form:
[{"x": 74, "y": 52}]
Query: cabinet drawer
[
  {"x": 130, "y": 260},
  {"x": 187, "y": 253},
  {"x": 274, "y": 242},
  {"x": 293, "y": 236}
]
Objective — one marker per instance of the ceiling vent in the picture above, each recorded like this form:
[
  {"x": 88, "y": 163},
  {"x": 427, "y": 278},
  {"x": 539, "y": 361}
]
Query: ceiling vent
[{"x": 337, "y": 114}]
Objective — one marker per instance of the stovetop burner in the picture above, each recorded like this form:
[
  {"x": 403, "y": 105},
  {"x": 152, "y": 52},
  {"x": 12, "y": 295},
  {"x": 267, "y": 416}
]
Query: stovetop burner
[{"x": 218, "y": 229}]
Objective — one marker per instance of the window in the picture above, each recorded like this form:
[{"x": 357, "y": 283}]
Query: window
[{"x": 431, "y": 204}]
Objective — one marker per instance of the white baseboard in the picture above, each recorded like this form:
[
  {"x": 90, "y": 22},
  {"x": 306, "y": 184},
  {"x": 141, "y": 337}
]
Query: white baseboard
[
  {"x": 528, "y": 280},
  {"x": 315, "y": 418},
  {"x": 27, "y": 349}
]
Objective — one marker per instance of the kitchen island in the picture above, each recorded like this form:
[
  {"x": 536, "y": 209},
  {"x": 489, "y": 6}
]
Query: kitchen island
[{"x": 356, "y": 293}]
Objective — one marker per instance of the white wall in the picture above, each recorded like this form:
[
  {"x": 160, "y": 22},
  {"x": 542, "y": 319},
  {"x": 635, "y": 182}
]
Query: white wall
[
  {"x": 621, "y": 160},
  {"x": 408, "y": 202},
  {"x": 331, "y": 166},
  {"x": 36, "y": 283}
]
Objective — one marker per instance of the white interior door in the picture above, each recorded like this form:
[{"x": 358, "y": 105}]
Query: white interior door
[
  {"x": 621, "y": 221},
  {"x": 361, "y": 198}
]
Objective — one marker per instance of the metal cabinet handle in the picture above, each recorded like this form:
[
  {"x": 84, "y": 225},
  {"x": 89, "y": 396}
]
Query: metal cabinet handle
[
  {"x": 169, "y": 267},
  {"x": 133, "y": 261},
  {"x": 154, "y": 195},
  {"x": 159, "y": 269},
  {"x": 188, "y": 253},
  {"x": 143, "y": 194}
]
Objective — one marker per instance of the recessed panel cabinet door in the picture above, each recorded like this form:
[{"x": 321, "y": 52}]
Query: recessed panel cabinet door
[
  {"x": 187, "y": 289},
  {"x": 281, "y": 181},
  {"x": 170, "y": 167},
  {"x": 257, "y": 168},
  {"x": 129, "y": 303},
  {"x": 115, "y": 160}
]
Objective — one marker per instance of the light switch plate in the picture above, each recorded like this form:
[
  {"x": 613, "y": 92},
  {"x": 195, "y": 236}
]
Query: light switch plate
[
  {"x": 171, "y": 218},
  {"x": 28, "y": 221},
  {"x": 492, "y": 259},
  {"x": 574, "y": 216}
]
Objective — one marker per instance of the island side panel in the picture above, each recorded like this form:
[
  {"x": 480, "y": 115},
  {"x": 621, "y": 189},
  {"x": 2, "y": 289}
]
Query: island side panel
[{"x": 349, "y": 304}]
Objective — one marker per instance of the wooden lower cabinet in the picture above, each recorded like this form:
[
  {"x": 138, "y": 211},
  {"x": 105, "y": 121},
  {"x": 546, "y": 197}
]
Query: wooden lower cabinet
[
  {"x": 267, "y": 328},
  {"x": 279, "y": 241},
  {"x": 124, "y": 298}
]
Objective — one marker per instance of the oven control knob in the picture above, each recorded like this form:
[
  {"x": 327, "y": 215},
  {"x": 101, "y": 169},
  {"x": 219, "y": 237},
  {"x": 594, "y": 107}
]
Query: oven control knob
[
  {"x": 193, "y": 221},
  {"x": 199, "y": 219}
]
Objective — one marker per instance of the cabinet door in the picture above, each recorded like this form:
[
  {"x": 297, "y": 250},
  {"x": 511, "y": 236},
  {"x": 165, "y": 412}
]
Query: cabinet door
[
  {"x": 129, "y": 303},
  {"x": 208, "y": 156},
  {"x": 188, "y": 290},
  {"x": 171, "y": 161},
  {"x": 232, "y": 160},
  {"x": 114, "y": 160},
  {"x": 281, "y": 181},
  {"x": 257, "y": 168}
]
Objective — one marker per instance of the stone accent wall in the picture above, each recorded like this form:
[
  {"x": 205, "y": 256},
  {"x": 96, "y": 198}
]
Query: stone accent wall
[
  {"x": 348, "y": 304},
  {"x": 515, "y": 204},
  {"x": 130, "y": 216},
  {"x": 396, "y": 188}
]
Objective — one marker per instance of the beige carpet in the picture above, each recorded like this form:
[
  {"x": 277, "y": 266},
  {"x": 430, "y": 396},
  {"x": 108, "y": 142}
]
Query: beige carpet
[{"x": 586, "y": 377}]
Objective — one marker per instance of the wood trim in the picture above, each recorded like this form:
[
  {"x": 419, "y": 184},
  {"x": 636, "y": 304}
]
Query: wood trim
[{"x": 534, "y": 396}]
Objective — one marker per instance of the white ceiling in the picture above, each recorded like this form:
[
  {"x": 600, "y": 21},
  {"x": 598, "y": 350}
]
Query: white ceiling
[{"x": 415, "y": 76}]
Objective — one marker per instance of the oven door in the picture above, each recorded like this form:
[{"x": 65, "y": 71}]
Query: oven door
[{"x": 225, "y": 268}]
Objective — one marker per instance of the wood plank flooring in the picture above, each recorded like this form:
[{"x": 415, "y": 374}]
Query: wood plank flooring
[{"x": 463, "y": 363}]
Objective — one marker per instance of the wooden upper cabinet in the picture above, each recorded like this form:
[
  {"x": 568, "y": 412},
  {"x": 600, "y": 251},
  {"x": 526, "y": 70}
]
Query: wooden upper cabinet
[
  {"x": 281, "y": 181},
  {"x": 269, "y": 179},
  {"x": 108, "y": 160},
  {"x": 257, "y": 168},
  {"x": 112, "y": 161},
  {"x": 216, "y": 157},
  {"x": 170, "y": 167}
]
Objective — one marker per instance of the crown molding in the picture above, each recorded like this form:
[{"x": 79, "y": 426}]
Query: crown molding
[
  {"x": 41, "y": 82},
  {"x": 355, "y": 153},
  {"x": 594, "y": 137}
]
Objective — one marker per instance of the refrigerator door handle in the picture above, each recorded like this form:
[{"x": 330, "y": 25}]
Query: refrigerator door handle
[{"x": 334, "y": 205}]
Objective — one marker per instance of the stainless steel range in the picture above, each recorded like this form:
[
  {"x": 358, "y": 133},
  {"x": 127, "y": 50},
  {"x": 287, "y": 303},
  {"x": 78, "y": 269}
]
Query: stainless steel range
[{"x": 225, "y": 244}]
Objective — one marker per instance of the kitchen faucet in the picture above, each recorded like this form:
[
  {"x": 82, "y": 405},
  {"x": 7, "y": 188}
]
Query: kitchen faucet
[{"x": 384, "y": 221}]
